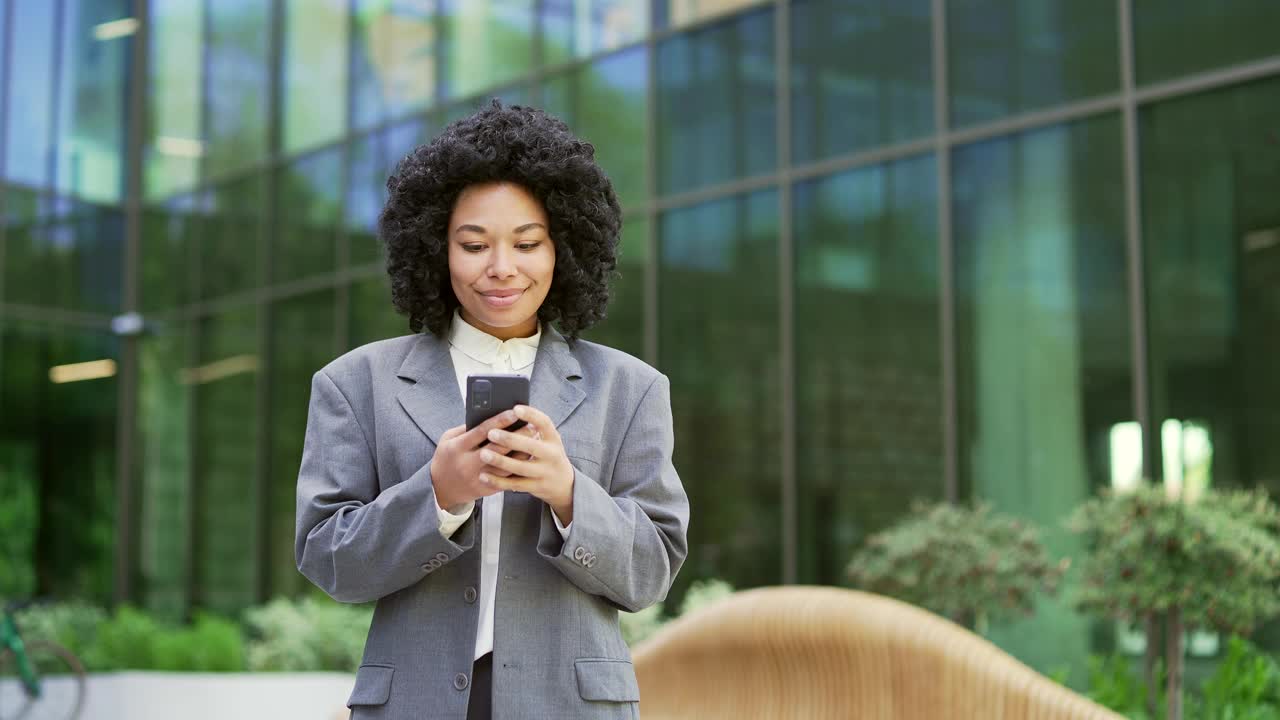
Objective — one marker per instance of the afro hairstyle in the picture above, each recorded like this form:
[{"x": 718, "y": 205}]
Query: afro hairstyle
[{"x": 516, "y": 144}]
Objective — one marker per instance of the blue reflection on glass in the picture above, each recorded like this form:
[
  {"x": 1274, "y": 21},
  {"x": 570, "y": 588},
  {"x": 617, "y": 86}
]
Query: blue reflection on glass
[{"x": 29, "y": 143}]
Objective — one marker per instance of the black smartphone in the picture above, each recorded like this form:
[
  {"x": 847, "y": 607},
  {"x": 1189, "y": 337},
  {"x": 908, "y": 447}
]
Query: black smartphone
[{"x": 488, "y": 395}]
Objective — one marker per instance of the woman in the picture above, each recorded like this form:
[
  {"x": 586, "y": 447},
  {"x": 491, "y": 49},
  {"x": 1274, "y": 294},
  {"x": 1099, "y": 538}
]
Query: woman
[{"x": 499, "y": 570}]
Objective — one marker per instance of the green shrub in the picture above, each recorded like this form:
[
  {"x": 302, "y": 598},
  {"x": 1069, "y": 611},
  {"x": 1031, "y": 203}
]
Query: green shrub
[
  {"x": 965, "y": 563},
  {"x": 133, "y": 640},
  {"x": 638, "y": 626},
  {"x": 307, "y": 634},
  {"x": 1245, "y": 686},
  {"x": 71, "y": 624}
]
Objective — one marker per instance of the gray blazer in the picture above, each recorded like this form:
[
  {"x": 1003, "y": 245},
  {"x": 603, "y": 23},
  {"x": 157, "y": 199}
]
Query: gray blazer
[{"x": 367, "y": 530}]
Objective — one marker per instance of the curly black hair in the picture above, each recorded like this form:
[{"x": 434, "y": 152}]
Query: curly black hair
[{"x": 517, "y": 144}]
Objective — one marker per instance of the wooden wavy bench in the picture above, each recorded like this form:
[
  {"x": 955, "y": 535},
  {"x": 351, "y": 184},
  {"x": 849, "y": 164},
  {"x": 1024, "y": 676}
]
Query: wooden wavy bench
[{"x": 820, "y": 652}]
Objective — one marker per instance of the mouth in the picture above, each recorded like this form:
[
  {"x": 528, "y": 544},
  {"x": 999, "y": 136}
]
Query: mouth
[{"x": 502, "y": 298}]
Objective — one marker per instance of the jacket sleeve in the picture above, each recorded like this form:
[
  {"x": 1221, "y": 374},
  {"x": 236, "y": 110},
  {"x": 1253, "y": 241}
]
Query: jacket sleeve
[
  {"x": 627, "y": 544},
  {"x": 354, "y": 542}
]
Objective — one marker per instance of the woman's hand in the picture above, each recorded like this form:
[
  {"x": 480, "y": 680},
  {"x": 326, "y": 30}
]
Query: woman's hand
[
  {"x": 546, "y": 473},
  {"x": 456, "y": 464}
]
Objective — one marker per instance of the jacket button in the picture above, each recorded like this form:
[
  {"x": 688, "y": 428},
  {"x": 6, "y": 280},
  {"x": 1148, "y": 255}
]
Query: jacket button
[
  {"x": 442, "y": 557},
  {"x": 460, "y": 681},
  {"x": 469, "y": 595}
]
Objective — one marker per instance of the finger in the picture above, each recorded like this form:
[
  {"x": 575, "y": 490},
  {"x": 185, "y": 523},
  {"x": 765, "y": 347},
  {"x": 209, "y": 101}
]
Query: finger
[
  {"x": 512, "y": 482},
  {"x": 518, "y": 441},
  {"x": 452, "y": 433},
  {"x": 476, "y": 435},
  {"x": 539, "y": 420},
  {"x": 494, "y": 471},
  {"x": 526, "y": 468}
]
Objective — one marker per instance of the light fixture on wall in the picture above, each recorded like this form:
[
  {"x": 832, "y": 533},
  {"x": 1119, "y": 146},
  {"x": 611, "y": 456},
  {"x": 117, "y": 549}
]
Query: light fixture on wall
[
  {"x": 75, "y": 372},
  {"x": 116, "y": 29}
]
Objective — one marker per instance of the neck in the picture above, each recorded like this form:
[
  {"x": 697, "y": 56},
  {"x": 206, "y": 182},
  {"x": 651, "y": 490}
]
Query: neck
[{"x": 523, "y": 329}]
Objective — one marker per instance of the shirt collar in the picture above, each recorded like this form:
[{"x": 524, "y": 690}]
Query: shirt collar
[{"x": 485, "y": 348}]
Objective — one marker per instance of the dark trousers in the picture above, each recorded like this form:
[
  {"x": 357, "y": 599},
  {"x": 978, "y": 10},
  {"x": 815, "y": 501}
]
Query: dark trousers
[{"x": 480, "y": 706}]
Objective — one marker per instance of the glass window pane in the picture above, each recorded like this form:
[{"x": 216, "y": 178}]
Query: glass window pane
[
  {"x": 230, "y": 234},
  {"x": 868, "y": 357},
  {"x": 170, "y": 237},
  {"x": 239, "y": 85},
  {"x": 175, "y": 144},
  {"x": 373, "y": 157},
  {"x": 623, "y": 327},
  {"x": 302, "y": 340},
  {"x": 718, "y": 343},
  {"x": 372, "y": 315},
  {"x": 68, "y": 256},
  {"x": 578, "y": 28},
  {"x": 675, "y": 13},
  {"x": 57, "y": 459},
  {"x": 1044, "y": 375},
  {"x": 1008, "y": 57},
  {"x": 91, "y": 106},
  {"x": 164, "y": 432},
  {"x": 310, "y": 199},
  {"x": 860, "y": 75},
  {"x": 1210, "y": 167},
  {"x": 604, "y": 104},
  {"x": 1180, "y": 37},
  {"x": 395, "y": 58},
  {"x": 225, "y": 460},
  {"x": 30, "y": 138},
  {"x": 716, "y": 104},
  {"x": 487, "y": 43},
  {"x": 315, "y": 72}
]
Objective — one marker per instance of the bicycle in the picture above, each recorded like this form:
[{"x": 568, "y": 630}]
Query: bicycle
[{"x": 39, "y": 679}]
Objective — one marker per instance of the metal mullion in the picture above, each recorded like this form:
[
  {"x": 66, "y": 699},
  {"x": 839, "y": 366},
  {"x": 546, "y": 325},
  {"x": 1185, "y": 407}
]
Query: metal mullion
[
  {"x": 128, "y": 490},
  {"x": 51, "y": 162},
  {"x": 1138, "y": 340},
  {"x": 651, "y": 267},
  {"x": 5, "y": 45},
  {"x": 1199, "y": 82},
  {"x": 786, "y": 305},
  {"x": 946, "y": 256},
  {"x": 341, "y": 338}
]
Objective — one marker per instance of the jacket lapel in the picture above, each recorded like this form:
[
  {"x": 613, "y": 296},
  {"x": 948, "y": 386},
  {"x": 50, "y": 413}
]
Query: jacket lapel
[
  {"x": 553, "y": 385},
  {"x": 432, "y": 400}
]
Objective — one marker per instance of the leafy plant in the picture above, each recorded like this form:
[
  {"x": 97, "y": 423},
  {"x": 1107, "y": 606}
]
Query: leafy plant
[
  {"x": 133, "y": 640},
  {"x": 958, "y": 561},
  {"x": 1213, "y": 563},
  {"x": 307, "y": 634},
  {"x": 1245, "y": 686}
]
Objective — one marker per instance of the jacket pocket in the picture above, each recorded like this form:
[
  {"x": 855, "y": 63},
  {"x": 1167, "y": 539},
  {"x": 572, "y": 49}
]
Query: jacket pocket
[
  {"x": 373, "y": 685},
  {"x": 607, "y": 680}
]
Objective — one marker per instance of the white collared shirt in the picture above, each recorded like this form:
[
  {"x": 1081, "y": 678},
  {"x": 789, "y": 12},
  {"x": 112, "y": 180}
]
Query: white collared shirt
[{"x": 477, "y": 353}]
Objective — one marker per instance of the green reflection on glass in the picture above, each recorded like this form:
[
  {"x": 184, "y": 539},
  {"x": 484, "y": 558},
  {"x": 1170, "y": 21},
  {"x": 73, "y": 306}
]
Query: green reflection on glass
[
  {"x": 868, "y": 361},
  {"x": 716, "y": 103},
  {"x": 165, "y": 455},
  {"x": 718, "y": 343},
  {"x": 1042, "y": 334},
  {"x": 302, "y": 341},
  {"x": 176, "y": 78},
  {"x": 229, "y": 238},
  {"x": 578, "y": 28},
  {"x": 395, "y": 59},
  {"x": 91, "y": 116},
  {"x": 239, "y": 85},
  {"x": 1173, "y": 38},
  {"x": 488, "y": 43},
  {"x": 225, "y": 381},
  {"x": 1211, "y": 224},
  {"x": 623, "y": 326},
  {"x": 604, "y": 104},
  {"x": 306, "y": 233},
  {"x": 315, "y": 72},
  {"x": 860, "y": 75},
  {"x": 372, "y": 316},
  {"x": 1008, "y": 57}
]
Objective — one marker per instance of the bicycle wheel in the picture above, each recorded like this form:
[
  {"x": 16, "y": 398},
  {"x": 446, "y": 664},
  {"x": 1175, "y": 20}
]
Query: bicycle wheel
[{"x": 62, "y": 684}]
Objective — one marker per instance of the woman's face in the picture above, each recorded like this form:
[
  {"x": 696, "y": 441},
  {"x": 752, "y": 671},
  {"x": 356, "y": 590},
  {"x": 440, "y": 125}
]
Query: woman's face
[{"x": 500, "y": 258}]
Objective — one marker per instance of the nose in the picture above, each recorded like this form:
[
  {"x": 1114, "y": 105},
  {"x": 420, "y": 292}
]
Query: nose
[{"x": 502, "y": 263}]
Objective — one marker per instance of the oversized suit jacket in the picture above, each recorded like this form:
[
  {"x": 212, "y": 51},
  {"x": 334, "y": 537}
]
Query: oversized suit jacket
[{"x": 367, "y": 529}]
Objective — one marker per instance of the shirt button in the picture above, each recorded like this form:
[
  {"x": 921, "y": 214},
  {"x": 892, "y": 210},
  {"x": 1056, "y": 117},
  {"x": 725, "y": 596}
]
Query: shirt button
[
  {"x": 469, "y": 595},
  {"x": 460, "y": 681}
]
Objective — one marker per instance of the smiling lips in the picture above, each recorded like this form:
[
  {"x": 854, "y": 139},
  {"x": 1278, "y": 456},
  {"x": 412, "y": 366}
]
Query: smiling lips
[{"x": 502, "y": 298}]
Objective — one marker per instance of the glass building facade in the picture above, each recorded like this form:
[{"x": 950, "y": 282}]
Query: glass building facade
[{"x": 885, "y": 250}]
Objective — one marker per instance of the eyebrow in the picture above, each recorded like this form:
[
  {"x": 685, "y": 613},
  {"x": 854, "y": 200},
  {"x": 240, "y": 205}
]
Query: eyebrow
[{"x": 478, "y": 229}]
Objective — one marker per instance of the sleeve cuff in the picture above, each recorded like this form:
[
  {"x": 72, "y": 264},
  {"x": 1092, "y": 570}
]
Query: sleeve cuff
[
  {"x": 563, "y": 529},
  {"x": 454, "y": 517}
]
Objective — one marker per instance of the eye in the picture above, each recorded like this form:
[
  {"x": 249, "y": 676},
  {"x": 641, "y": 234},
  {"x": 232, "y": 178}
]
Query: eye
[
  {"x": 473, "y": 247},
  {"x": 528, "y": 246}
]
